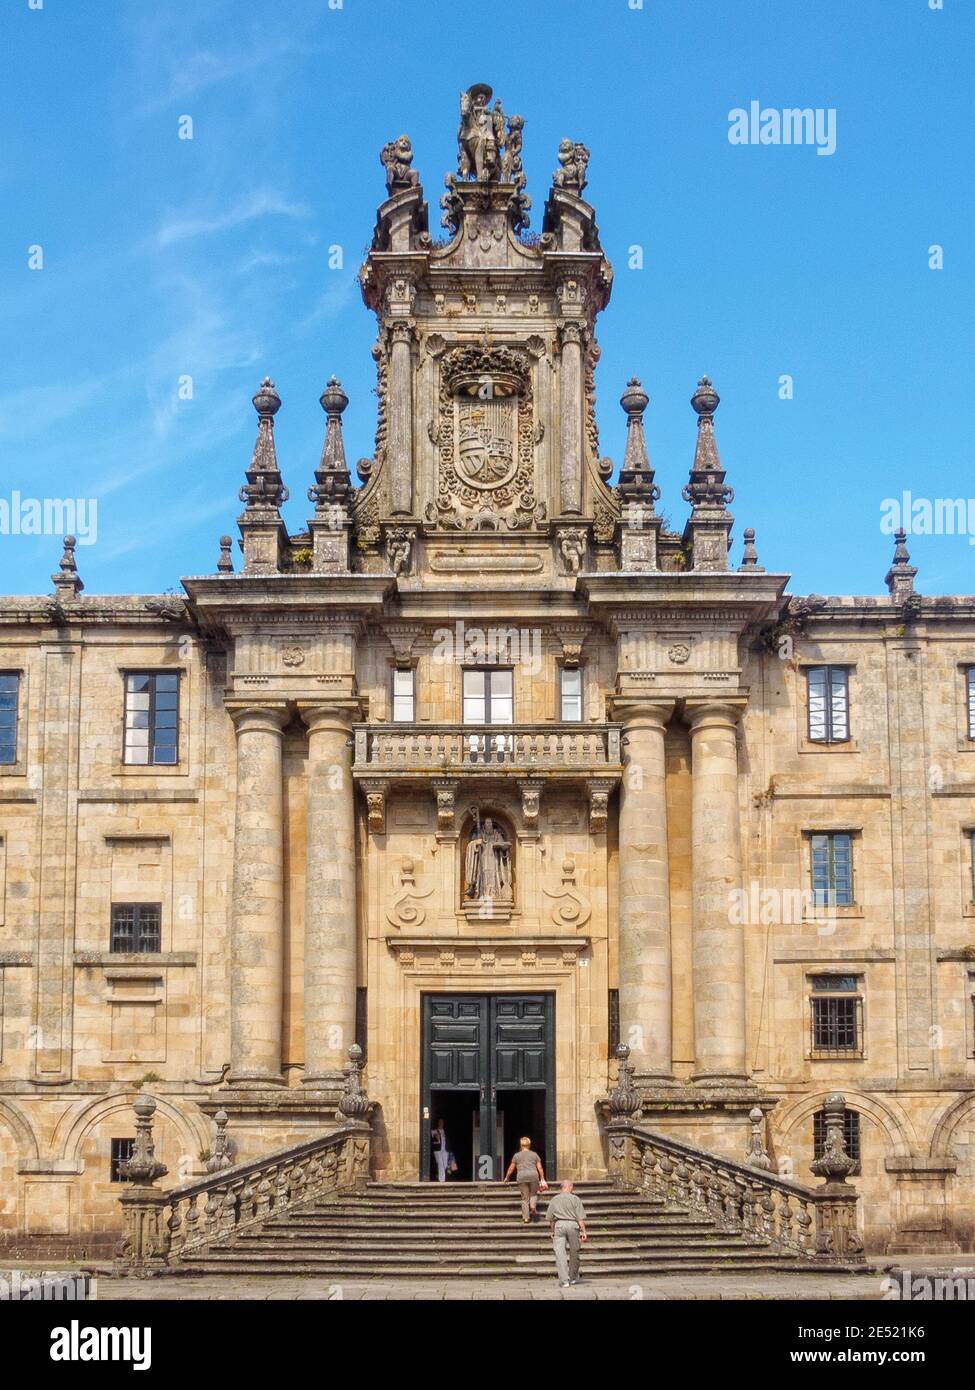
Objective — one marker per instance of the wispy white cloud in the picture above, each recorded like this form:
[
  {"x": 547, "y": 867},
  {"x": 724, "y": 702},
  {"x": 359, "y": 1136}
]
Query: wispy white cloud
[{"x": 263, "y": 202}]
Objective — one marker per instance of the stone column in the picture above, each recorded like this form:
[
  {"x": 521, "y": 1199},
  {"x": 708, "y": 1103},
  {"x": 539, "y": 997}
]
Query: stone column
[
  {"x": 330, "y": 898},
  {"x": 400, "y": 406},
  {"x": 644, "y": 893},
  {"x": 571, "y": 392},
  {"x": 257, "y": 913},
  {"x": 718, "y": 942}
]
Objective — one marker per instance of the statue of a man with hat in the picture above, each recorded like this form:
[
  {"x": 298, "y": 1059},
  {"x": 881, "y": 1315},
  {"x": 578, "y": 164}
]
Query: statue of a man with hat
[{"x": 481, "y": 137}]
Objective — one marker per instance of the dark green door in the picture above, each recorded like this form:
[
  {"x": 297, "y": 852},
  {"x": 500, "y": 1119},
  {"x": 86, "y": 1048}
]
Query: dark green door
[{"x": 488, "y": 1073}]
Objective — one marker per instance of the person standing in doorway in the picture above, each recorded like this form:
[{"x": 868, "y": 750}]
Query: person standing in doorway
[
  {"x": 526, "y": 1166},
  {"x": 567, "y": 1226},
  {"x": 441, "y": 1151}
]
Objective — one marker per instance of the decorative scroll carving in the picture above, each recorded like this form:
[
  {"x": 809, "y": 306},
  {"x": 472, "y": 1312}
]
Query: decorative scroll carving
[
  {"x": 406, "y": 909},
  {"x": 570, "y": 906}
]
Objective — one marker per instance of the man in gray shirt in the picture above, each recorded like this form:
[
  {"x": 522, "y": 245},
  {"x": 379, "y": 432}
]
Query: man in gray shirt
[{"x": 567, "y": 1224}]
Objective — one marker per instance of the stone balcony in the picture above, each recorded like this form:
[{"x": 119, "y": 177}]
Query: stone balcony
[{"x": 532, "y": 755}]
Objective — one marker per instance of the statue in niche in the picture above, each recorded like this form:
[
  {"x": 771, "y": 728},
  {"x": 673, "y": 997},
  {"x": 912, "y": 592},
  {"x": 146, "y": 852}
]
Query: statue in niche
[{"x": 487, "y": 862}]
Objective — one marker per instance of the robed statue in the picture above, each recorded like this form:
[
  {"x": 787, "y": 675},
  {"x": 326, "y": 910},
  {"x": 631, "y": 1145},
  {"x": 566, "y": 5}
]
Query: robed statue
[
  {"x": 481, "y": 136},
  {"x": 487, "y": 864}
]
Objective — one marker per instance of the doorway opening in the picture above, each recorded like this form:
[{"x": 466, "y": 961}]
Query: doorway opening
[
  {"x": 521, "y": 1113},
  {"x": 460, "y": 1112}
]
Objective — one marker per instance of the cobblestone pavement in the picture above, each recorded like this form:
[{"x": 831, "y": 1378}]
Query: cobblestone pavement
[{"x": 783, "y": 1287}]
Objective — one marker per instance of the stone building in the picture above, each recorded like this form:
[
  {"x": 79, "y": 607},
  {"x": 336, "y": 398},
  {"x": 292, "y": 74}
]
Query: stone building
[{"x": 490, "y": 770}]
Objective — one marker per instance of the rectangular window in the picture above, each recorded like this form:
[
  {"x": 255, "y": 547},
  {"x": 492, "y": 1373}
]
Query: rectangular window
[
  {"x": 832, "y": 869},
  {"x": 828, "y": 704},
  {"x": 571, "y": 679},
  {"x": 851, "y": 1136},
  {"x": 836, "y": 1016},
  {"x": 361, "y": 1020},
  {"x": 614, "y": 1022},
  {"x": 404, "y": 688},
  {"x": 121, "y": 1153},
  {"x": 970, "y": 692},
  {"x": 151, "y": 716},
  {"x": 9, "y": 690},
  {"x": 136, "y": 928},
  {"x": 488, "y": 697}
]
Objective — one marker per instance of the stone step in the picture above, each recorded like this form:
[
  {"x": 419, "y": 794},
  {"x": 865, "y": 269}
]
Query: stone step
[
  {"x": 739, "y": 1249},
  {"x": 488, "y": 1226},
  {"x": 464, "y": 1249},
  {"x": 349, "y": 1269}
]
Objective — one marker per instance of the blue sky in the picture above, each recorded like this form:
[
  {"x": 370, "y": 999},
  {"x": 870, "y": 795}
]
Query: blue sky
[{"x": 165, "y": 258}]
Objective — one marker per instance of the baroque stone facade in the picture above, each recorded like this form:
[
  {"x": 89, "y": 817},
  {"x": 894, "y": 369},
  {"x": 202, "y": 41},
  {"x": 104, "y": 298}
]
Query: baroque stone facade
[{"x": 488, "y": 731}]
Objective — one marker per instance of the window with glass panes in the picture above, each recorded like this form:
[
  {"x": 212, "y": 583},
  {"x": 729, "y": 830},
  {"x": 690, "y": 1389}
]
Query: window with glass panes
[
  {"x": 404, "y": 696},
  {"x": 970, "y": 691},
  {"x": 836, "y": 1018},
  {"x": 828, "y": 704},
  {"x": 9, "y": 690},
  {"x": 831, "y": 857},
  {"x": 851, "y": 1136},
  {"x": 151, "y": 716},
  {"x": 571, "y": 679},
  {"x": 136, "y": 927},
  {"x": 488, "y": 697}
]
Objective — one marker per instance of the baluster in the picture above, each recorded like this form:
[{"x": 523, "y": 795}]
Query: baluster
[
  {"x": 262, "y": 1202},
  {"x": 211, "y": 1214},
  {"x": 785, "y": 1233},
  {"x": 682, "y": 1185},
  {"x": 174, "y": 1225},
  {"x": 699, "y": 1189},
  {"x": 729, "y": 1203},
  {"x": 192, "y": 1220},
  {"x": 281, "y": 1189},
  {"x": 715, "y": 1204},
  {"x": 804, "y": 1221},
  {"x": 666, "y": 1165}
]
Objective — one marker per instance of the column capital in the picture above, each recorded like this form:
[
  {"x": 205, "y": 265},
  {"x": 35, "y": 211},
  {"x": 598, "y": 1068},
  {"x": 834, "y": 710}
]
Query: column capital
[
  {"x": 641, "y": 711},
  {"x": 253, "y": 717},
  {"x": 323, "y": 716},
  {"x": 710, "y": 714}
]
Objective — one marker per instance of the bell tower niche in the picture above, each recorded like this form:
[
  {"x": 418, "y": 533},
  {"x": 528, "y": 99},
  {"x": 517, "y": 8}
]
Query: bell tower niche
[{"x": 485, "y": 357}]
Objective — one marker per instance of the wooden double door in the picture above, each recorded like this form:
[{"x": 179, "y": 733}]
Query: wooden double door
[{"x": 488, "y": 1073}]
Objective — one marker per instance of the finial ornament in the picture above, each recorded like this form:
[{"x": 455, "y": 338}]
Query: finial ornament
[
  {"x": 264, "y": 489},
  {"x": 900, "y": 577},
  {"x": 749, "y": 555},
  {"x": 225, "y": 564},
  {"x": 834, "y": 1165},
  {"x": 624, "y": 1098},
  {"x": 333, "y": 483},
  {"x": 67, "y": 583},
  {"x": 756, "y": 1155},
  {"x": 354, "y": 1105},
  {"x": 636, "y": 485},
  {"x": 143, "y": 1167}
]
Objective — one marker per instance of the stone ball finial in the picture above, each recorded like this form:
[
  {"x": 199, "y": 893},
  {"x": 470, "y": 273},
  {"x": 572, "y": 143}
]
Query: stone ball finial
[
  {"x": 634, "y": 399},
  {"x": 333, "y": 399},
  {"x": 266, "y": 400},
  {"x": 705, "y": 399},
  {"x": 144, "y": 1106}
]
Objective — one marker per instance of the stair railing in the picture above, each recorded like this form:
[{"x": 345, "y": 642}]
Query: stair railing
[
  {"x": 818, "y": 1224},
  {"x": 163, "y": 1226}
]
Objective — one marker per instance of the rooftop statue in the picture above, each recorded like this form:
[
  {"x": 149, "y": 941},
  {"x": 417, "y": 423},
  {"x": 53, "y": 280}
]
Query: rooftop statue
[
  {"x": 486, "y": 150},
  {"x": 573, "y": 160},
  {"x": 397, "y": 158}
]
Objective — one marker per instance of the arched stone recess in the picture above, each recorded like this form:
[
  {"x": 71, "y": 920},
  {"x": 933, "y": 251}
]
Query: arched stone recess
[
  {"x": 20, "y": 1127},
  {"x": 948, "y": 1122},
  {"x": 192, "y": 1126},
  {"x": 890, "y": 1119}
]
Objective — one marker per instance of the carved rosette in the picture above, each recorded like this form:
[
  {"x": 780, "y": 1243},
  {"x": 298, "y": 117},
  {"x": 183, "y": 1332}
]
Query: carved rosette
[{"x": 486, "y": 439}]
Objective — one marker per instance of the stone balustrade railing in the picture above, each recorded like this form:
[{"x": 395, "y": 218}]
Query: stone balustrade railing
[
  {"x": 391, "y": 748},
  {"x": 817, "y": 1223},
  {"x": 161, "y": 1226}
]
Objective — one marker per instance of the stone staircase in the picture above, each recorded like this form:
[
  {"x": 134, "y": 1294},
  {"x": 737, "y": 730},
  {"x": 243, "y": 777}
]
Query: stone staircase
[{"x": 474, "y": 1230}]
